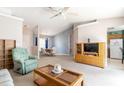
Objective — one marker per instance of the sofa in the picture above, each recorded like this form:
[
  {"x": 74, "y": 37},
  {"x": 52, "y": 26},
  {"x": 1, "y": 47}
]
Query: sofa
[
  {"x": 5, "y": 78},
  {"x": 23, "y": 63}
]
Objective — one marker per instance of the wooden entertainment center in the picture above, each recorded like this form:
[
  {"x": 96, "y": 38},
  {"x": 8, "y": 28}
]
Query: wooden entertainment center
[{"x": 96, "y": 58}]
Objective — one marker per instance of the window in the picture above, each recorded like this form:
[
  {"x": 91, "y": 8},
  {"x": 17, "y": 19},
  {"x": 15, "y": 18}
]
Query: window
[{"x": 42, "y": 43}]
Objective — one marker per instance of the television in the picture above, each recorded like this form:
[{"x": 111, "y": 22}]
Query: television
[{"x": 91, "y": 47}]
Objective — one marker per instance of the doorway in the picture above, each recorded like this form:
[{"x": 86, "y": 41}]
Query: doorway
[{"x": 115, "y": 41}]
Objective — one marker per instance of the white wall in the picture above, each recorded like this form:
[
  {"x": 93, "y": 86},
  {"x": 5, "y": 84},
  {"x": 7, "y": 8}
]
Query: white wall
[
  {"x": 36, "y": 49},
  {"x": 11, "y": 28},
  {"x": 98, "y": 32},
  {"x": 62, "y": 42},
  {"x": 28, "y": 39}
]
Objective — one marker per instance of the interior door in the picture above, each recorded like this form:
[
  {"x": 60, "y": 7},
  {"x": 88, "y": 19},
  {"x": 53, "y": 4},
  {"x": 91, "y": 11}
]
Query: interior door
[{"x": 115, "y": 48}]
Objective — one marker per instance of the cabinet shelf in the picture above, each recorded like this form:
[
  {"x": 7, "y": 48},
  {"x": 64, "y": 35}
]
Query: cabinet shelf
[
  {"x": 91, "y": 53},
  {"x": 6, "y": 47}
]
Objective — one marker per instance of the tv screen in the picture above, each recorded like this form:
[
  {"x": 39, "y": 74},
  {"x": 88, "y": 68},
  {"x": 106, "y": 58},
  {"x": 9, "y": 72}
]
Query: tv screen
[{"x": 92, "y": 47}]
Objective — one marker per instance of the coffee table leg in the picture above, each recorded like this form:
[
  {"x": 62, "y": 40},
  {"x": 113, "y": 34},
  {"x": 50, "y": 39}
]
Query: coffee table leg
[
  {"x": 34, "y": 75},
  {"x": 82, "y": 83}
]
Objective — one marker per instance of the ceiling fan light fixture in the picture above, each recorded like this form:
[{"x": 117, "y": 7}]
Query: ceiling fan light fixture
[{"x": 62, "y": 11}]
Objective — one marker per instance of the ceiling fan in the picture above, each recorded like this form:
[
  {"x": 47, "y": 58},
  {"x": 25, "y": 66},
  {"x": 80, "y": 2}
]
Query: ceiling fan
[{"x": 61, "y": 12}]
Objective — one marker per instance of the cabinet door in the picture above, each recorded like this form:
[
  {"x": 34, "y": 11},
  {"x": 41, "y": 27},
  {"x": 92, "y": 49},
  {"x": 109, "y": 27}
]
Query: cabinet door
[{"x": 78, "y": 57}]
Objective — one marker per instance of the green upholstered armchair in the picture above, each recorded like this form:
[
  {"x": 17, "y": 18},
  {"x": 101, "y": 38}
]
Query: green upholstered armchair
[{"x": 23, "y": 63}]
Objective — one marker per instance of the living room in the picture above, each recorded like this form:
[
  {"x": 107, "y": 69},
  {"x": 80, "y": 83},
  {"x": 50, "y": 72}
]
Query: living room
[{"x": 53, "y": 36}]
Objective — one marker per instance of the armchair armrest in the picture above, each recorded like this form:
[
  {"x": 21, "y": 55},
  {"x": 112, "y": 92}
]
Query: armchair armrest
[
  {"x": 32, "y": 57},
  {"x": 19, "y": 61},
  {"x": 19, "y": 66}
]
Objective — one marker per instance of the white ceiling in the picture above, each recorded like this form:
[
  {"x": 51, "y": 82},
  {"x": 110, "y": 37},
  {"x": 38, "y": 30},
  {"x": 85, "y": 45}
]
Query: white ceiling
[{"x": 41, "y": 16}]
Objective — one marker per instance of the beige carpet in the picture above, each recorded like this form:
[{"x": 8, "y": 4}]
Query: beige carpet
[{"x": 94, "y": 76}]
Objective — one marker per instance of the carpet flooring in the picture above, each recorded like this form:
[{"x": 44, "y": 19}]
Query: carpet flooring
[{"x": 112, "y": 75}]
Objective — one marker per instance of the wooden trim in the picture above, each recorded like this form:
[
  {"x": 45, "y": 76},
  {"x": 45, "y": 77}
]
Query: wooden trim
[{"x": 115, "y": 36}]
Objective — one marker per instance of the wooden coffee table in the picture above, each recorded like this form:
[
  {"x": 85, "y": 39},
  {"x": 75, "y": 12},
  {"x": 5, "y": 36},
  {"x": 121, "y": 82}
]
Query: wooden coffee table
[{"x": 44, "y": 77}]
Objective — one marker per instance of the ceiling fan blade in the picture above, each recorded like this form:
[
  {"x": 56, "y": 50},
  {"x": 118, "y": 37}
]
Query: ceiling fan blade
[
  {"x": 60, "y": 12},
  {"x": 51, "y": 8},
  {"x": 55, "y": 16}
]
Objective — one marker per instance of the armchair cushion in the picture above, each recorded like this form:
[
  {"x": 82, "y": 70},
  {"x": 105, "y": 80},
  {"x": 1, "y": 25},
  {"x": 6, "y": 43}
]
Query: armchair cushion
[
  {"x": 23, "y": 63},
  {"x": 20, "y": 54},
  {"x": 30, "y": 61}
]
